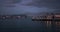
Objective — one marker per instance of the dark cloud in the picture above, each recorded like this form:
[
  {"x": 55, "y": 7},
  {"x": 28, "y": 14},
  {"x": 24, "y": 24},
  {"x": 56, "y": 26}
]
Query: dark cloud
[
  {"x": 54, "y": 4},
  {"x": 48, "y": 3},
  {"x": 30, "y": 6},
  {"x": 17, "y": 1}
]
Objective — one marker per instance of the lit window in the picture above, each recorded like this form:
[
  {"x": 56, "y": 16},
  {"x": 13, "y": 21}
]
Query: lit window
[
  {"x": 57, "y": 15},
  {"x": 19, "y": 16}
]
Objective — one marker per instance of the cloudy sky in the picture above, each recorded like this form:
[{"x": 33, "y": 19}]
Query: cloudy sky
[{"x": 29, "y": 7}]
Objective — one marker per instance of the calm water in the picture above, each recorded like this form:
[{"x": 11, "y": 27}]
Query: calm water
[{"x": 22, "y": 25}]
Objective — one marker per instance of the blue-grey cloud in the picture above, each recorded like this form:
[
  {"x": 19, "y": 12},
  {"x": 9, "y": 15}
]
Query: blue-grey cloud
[{"x": 30, "y": 7}]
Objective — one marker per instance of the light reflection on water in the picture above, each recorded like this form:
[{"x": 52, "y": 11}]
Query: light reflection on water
[{"x": 22, "y": 24}]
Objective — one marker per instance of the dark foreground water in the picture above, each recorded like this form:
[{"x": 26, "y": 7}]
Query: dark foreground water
[{"x": 22, "y": 25}]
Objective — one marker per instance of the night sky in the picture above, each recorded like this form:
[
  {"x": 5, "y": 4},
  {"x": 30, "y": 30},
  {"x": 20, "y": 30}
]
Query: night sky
[{"x": 29, "y": 7}]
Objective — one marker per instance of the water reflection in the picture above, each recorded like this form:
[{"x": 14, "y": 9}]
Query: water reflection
[
  {"x": 26, "y": 24},
  {"x": 21, "y": 25}
]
